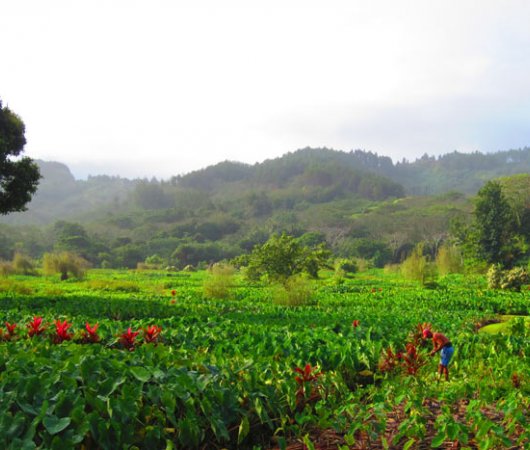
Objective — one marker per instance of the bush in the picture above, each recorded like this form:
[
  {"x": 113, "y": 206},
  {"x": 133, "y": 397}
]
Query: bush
[
  {"x": 494, "y": 276},
  {"x": 415, "y": 266},
  {"x": 153, "y": 262},
  {"x": 296, "y": 291},
  {"x": 219, "y": 281},
  {"x": 511, "y": 280},
  {"x": 449, "y": 260},
  {"x": 6, "y": 268},
  {"x": 348, "y": 266},
  {"x": 392, "y": 269},
  {"x": 23, "y": 265},
  {"x": 515, "y": 278},
  {"x": 65, "y": 263}
]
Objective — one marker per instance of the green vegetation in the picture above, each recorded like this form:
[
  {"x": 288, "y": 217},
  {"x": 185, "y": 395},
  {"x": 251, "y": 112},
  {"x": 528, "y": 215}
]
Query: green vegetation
[
  {"x": 19, "y": 177},
  {"x": 356, "y": 205},
  {"x": 66, "y": 263},
  {"x": 147, "y": 359}
]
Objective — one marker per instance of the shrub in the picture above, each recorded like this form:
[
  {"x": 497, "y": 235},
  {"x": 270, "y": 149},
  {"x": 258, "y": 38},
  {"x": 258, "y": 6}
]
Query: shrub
[
  {"x": 416, "y": 266},
  {"x": 363, "y": 264},
  {"x": 348, "y": 266},
  {"x": 392, "y": 269},
  {"x": 153, "y": 262},
  {"x": 494, "y": 276},
  {"x": 6, "y": 268},
  {"x": 296, "y": 291},
  {"x": 23, "y": 265},
  {"x": 65, "y": 263},
  {"x": 511, "y": 280},
  {"x": 339, "y": 276},
  {"x": 449, "y": 260},
  {"x": 219, "y": 281}
]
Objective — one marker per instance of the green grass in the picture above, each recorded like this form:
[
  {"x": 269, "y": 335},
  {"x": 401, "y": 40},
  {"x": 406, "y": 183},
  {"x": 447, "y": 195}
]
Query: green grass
[{"x": 504, "y": 326}]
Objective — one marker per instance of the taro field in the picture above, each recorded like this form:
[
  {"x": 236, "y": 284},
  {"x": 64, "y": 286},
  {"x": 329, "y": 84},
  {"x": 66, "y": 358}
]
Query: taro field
[{"x": 143, "y": 360}]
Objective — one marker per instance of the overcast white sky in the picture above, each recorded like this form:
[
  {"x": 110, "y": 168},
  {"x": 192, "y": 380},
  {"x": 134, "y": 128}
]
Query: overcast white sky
[{"x": 163, "y": 87}]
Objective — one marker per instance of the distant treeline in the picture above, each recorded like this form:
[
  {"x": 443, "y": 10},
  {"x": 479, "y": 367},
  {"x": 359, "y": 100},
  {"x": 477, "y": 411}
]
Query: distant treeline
[{"x": 358, "y": 203}]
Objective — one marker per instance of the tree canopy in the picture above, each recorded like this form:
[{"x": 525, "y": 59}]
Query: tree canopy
[
  {"x": 494, "y": 222},
  {"x": 18, "y": 177}
]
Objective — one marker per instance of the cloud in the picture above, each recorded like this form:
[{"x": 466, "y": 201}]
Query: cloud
[{"x": 161, "y": 87}]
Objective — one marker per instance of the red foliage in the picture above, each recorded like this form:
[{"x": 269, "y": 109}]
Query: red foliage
[
  {"x": 389, "y": 360},
  {"x": 152, "y": 333},
  {"x": 411, "y": 360},
  {"x": 35, "y": 327},
  {"x": 90, "y": 336},
  {"x": 308, "y": 387},
  {"x": 10, "y": 331},
  {"x": 61, "y": 332},
  {"x": 308, "y": 374},
  {"x": 355, "y": 323},
  {"x": 128, "y": 339}
]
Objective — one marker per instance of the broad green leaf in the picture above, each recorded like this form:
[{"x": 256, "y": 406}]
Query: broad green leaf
[
  {"x": 438, "y": 440},
  {"x": 244, "y": 429},
  {"x": 140, "y": 373},
  {"x": 409, "y": 444},
  {"x": 55, "y": 424}
]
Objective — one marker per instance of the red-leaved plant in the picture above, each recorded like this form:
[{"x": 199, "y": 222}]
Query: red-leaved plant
[
  {"x": 417, "y": 335},
  {"x": 61, "y": 332},
  {"x": 128, "y": 339},
  {"x": 152, "y": 333},
  {"x": 389, "y": 360},
  {"x": 90, "y": 335},
  {"x": 308, "y": 388},
  {"x": 10, "y": 328},
  {"x": 35, "y": 327},
  {"x": 411, "y": 360},
  {"x": 308, "y": 375},
  {"x": 355, "y": 323}
]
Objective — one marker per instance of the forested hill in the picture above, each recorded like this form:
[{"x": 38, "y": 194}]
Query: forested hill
[
  {"x": 428, "y": 175},
  {"x": 307, "y": 175}
]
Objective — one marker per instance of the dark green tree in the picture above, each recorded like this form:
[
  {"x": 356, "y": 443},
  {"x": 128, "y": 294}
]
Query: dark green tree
[
  {"x": 494, "y": 224},
  {"x": 18, "y": 178}
]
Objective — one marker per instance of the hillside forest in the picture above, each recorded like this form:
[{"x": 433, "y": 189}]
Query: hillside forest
[{"x": 353, "y": 205}]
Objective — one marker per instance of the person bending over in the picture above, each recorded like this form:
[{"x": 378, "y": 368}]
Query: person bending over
[{"x": 443, "y": 345}]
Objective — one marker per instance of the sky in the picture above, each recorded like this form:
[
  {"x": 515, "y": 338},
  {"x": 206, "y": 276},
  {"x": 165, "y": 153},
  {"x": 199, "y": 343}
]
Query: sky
[{"x": 156, "y": 88}]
